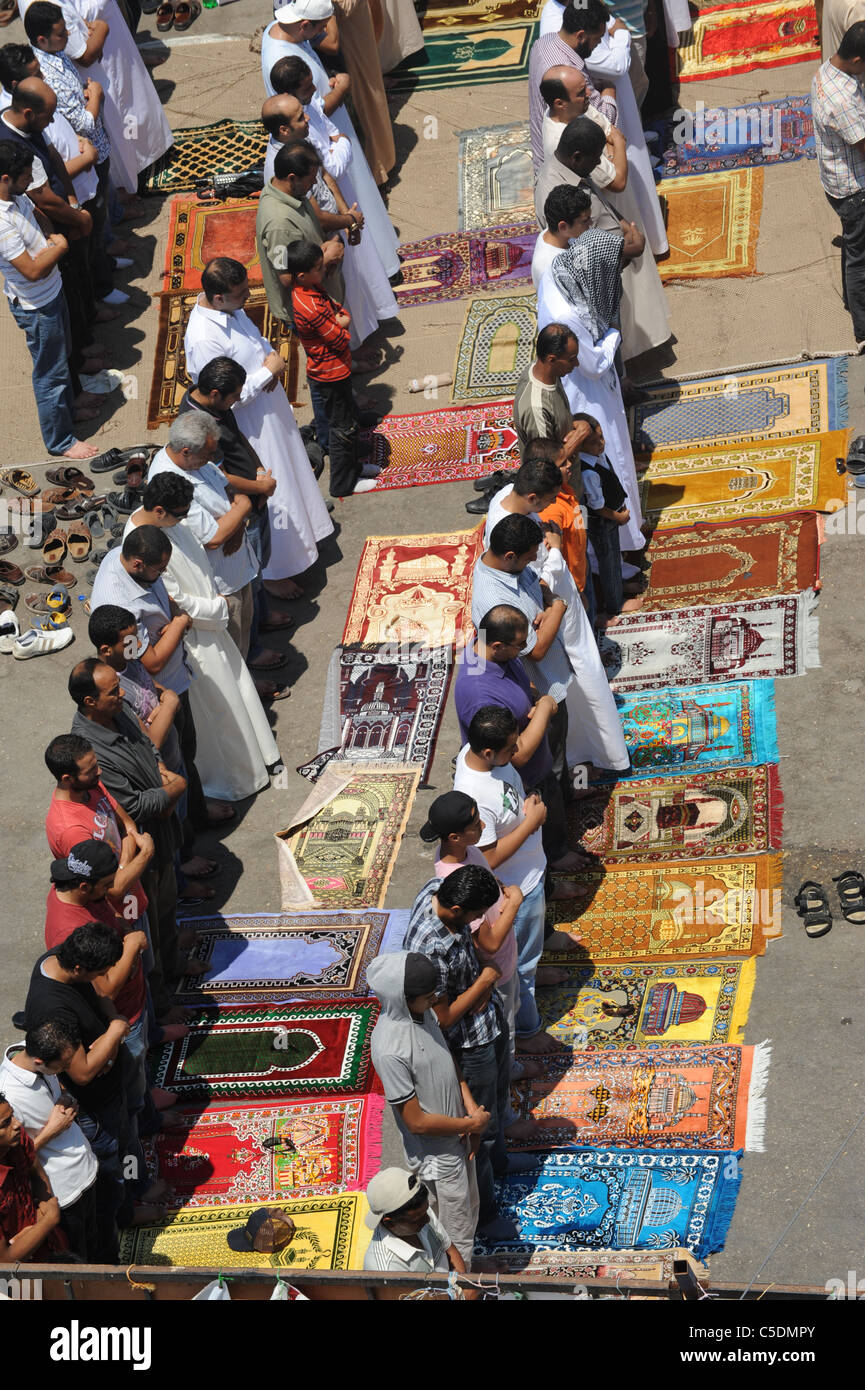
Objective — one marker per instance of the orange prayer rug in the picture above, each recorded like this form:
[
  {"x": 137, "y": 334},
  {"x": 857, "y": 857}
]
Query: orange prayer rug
[
  {"x": 735, "y": 812},
  {"x": 670, "y": 1098},
  {"x": 200, "y": 229},
  {"x": 732, "y": 560},
  {"x": 413, "y": 591},
  {"x": 658, "y": 912},
  {"x": 713, "y": 221}
]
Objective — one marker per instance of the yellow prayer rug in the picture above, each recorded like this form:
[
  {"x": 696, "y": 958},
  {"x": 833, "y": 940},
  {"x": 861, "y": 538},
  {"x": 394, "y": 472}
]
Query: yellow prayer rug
[
  {"x": 713, "y": 221},
  {"x": 331, "y": 1233},
  {"x": 657, "y": 912},
  {"x": 753, "y": 480},
  {"x": 623, "y": 1006}
]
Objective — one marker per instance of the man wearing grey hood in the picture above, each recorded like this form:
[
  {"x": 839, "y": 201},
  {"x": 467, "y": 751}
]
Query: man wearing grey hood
[{"x": 435, "y": 1112}]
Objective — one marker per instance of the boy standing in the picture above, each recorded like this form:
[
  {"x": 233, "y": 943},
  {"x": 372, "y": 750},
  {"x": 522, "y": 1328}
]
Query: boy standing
[{"x": 605, "y": 502}]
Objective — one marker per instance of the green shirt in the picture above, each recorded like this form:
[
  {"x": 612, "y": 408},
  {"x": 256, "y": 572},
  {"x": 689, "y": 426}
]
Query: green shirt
[{"x": 281, "y": 221}]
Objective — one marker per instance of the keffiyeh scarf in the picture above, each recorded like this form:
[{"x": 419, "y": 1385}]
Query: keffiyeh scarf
[{"x": 589, "y": 276}]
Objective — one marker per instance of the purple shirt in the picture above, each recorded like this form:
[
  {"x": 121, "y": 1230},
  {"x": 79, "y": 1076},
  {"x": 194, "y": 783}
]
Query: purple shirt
[{"x": 480, "y": 683}]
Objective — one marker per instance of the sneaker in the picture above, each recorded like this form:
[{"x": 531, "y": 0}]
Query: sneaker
[
  {"x": 363, "y": 485},
  {"x": 35, "y": 643},
  {"x": 115, "y": 297},
  {"x": 9, "y": 632}
]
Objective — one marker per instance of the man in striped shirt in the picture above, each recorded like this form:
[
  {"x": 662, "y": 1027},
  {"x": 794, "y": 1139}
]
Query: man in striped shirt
[
  {"x": 581, "y": 32},
  {"x": 838, "y": 108}
]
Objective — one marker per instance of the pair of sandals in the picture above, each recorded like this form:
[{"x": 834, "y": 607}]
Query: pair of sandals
[
  {"x": 77, "y": 543},
  {"x": 812, "y": 904},
  {"x": 180, "y": 15}
]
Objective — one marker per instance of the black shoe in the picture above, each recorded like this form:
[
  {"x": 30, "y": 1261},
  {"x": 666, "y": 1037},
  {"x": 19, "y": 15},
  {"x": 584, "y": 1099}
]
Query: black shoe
[
  {"x": 479, "y": 507},
  {"x": 118, "y": 458},
  {"x": 492, "y": 482},
  {"x": 127, "y": 501}
]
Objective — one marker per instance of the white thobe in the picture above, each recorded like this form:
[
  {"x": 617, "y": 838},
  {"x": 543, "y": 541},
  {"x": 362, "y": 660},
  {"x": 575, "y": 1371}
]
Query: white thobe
[
  {"x": 401, "y": 34},
  {"x": 593, "y": 388},
  {"x": 299, "y": 518},
  {"x": 146, "y": 132},
  {"x": 594, "y": 727},
  {"x": 609, "y": 63},
  {"x": 360, "y": 186},
  {"x": 235, "y": 746}
]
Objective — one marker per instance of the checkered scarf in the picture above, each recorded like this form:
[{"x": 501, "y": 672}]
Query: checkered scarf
[{"x": 589, "y": 276}]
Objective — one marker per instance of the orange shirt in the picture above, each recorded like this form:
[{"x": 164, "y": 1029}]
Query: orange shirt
[{"x": 565, "y": 512}]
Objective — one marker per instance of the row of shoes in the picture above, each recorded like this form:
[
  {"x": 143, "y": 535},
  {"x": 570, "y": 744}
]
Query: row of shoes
[
  {"x": 812, "y": 902},
  {"x": 38, "y": 640}
]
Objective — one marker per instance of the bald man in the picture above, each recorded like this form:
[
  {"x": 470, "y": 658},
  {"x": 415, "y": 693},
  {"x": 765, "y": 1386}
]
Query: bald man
[
  {"x": 285, "y": 121},
  {"x": 565, "y": 92}
]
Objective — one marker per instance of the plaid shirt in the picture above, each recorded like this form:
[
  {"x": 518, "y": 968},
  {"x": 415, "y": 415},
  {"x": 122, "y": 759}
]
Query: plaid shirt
[
  {"x": 453, "y": 955},
  {"x": 838, "y": 110}
]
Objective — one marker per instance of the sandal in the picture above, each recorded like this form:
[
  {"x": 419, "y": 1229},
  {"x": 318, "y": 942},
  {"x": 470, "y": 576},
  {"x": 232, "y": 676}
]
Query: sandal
[
  {"x": 60, "y": 496},
  {"x": 185, "y": 12},
  {"x": 812, "y": 906},
  {"x": 70, "y": 477},
  {"x": 49, "y": 623},
  {"x": 9, "y": 595},
  {"x": 49, "y": 574},
  {"x": 164, "y": 18},
  {"x": 80, "y": 543},
  {"x": 125, "y": 502},
  {"x": 20, "y": 481},
  {"x": 851, "y": 894},
  {"x": 117, "y": 458},
  {"x": 8, "y": 542},
  {"x": 54, "y": 549}
]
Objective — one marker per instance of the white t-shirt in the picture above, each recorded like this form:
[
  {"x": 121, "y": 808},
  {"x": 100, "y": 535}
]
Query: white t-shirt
[
  {"x": 543, "y": 257},
  {"x": 500, "y": 797},
  {"x": 68, "y": 1158},
  {"x": 20, "y": 232}
]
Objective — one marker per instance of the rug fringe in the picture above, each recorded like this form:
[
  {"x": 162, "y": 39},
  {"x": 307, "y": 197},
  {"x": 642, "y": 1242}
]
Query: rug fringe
[
  {"x": 809, "y": 633},
  {"x": 715, "y": 1233},
  {"x": 775, "y": 797},
  {"x": 373, "y": 1139},
  {"x": 755, "y": 1127}
]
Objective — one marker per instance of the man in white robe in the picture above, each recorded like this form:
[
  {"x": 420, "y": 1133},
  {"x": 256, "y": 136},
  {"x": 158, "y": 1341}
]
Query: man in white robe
[
  {"x": 235, "y": 744},
  {"x": 218, "y": 327}
]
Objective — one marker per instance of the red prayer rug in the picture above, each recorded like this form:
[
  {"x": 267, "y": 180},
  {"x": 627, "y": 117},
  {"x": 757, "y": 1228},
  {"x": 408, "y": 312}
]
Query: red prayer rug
[
  {"x": 287, "y": 1149},
  {"x": 737, "y": 38},
  {"x": 304, "y": 1049},
  {"x": 414, "y": 591},
  {"x": 458, "y": 263},
  {"x": 445, "y": 446},
  {"x": 200, "y": 229},
  {"x": 731, "y": 560}
]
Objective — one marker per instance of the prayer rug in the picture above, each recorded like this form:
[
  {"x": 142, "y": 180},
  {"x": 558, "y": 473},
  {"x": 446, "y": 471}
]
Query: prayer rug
[
  {"x": 170, "y": 380},
  {"x": 381, "y": 707},
  {"x": 273, "y": 1053},
  {"x": 735, "y": 812},
  {"x": 199, "y": 152},
  {"x": 341, "y": 846},
  {"x": 469, "y": 58},
  {"x": 457, "y": 263},
  {"x": 713, "y": 222},
  {"x": 655, "y": 1266},
  {"x": 496, "y": 177},
  {"x": 198, "y": 231},
  {"x": 737, "y": 38},
  {"x": 749, "y": 480},
  {"x": 627, "y": 1006},
  {"x": 738, "y": 137},
  {"x": 675, "y": 1098},
  {"x": 805, "y": 398},
  {"x": 478, "y": 12},
  {"x": 761, "y": 638},
  {"x": 699, "y": 727},
  {"x": 413, "y": 590},
  {"x": 497, "y": 343},
  {"x": 288, "y": 1149},
  {"x": 732, "y": 560},
  {"x": 656, "y": 912},
  {"x": 273, "y": 958},
  {"x": 622, "y": 1199},
  {"x": 445, "y": 446},
  {"x": 331, "y": 1233}
]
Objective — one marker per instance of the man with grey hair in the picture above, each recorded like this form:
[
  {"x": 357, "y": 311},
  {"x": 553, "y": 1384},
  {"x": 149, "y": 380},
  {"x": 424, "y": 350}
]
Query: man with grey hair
[{"x": 217, "y": 518}]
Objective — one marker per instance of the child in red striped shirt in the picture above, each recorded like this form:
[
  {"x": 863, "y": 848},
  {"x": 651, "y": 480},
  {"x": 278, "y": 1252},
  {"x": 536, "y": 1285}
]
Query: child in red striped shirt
[{"x": 322, "y": 326}]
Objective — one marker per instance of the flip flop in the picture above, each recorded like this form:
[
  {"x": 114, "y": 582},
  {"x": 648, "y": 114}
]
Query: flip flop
[
  {"x": 49, "y": 574},
  {"x": 80, "y": 543},
  {"x": 10, "y": 574},
  {"x": 20, "y": 481},
  {"x": 185, "y": 13},
  {"x": 69, "y": 476},
  {"x": 54, "y": 548},
  {"x": 812, "y": 906},
  {"x": 851, "y": 895}
]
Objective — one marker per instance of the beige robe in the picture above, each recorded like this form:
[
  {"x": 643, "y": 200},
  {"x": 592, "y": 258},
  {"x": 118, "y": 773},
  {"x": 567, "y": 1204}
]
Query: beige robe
[
  {"x": 360, "y": 54},
  {"x": 401, "y": 33}
]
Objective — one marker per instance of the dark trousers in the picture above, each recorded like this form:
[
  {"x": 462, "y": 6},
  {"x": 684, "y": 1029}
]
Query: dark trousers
[
  {"x": 604, "y": 535},
  {"x": 852, "y": 214},
  {"x": 78, "y": 1223},
  {"x": 185, "y": 726},
  {"x": 319, "y": 415},
  {"x": 77, "y": 287},
  {"x": 487, "y": 1073},
  {"x": 554, "y": 831},
  {"x": 160, "y": 885},
  {"x": 101, "y": 264},
  {"x": 258, "y": 535},
  {"x": 338, "y": 400}
]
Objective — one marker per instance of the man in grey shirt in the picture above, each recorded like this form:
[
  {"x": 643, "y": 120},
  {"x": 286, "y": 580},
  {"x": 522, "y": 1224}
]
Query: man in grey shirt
[{"x": 286, "y": 216}]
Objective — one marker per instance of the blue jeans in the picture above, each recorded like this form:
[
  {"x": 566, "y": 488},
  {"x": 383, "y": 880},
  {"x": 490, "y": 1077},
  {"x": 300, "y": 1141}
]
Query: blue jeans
[
  {"x": 529, "y": 935},
  {"x": 851, "y": 210},
  {"x": 487, "y": 1071},
  {"x": 47, "y": 334}
]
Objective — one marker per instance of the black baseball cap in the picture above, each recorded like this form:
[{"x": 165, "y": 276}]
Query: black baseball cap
[
  {"x": 86, "y": 862},
  {"x": 448, "y": 815}
]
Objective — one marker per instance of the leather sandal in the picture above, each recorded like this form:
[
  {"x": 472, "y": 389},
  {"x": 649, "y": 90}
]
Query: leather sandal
[
  {"x": 812, "y": 905},
  {"x": 70, "y": 477},
  {"x": 165, "y": 18},
  {"x": 185, "y": 13},
  {"x": 851, "y": 894}
]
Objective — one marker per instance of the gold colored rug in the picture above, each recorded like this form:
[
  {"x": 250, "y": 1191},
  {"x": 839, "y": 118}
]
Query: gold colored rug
[
  {"x": 756, "y": 480},
  {"x": 713, "y": 221}
]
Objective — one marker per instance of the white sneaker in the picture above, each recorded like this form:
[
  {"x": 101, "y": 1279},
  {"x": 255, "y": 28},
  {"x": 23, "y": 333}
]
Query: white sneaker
[
  {"x": 33, "y": 643},
  {"x": 363, "y": 485},
  {"x": 9, "y": 631},
  {"x": 116, "y": 297}
]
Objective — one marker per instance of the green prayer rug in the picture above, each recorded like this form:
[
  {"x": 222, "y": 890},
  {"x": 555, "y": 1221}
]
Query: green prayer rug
[{"x": 467, "y": 57}]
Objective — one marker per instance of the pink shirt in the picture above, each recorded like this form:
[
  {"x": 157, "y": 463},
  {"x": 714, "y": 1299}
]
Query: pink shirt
[{"x": 505, "y": 958}]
